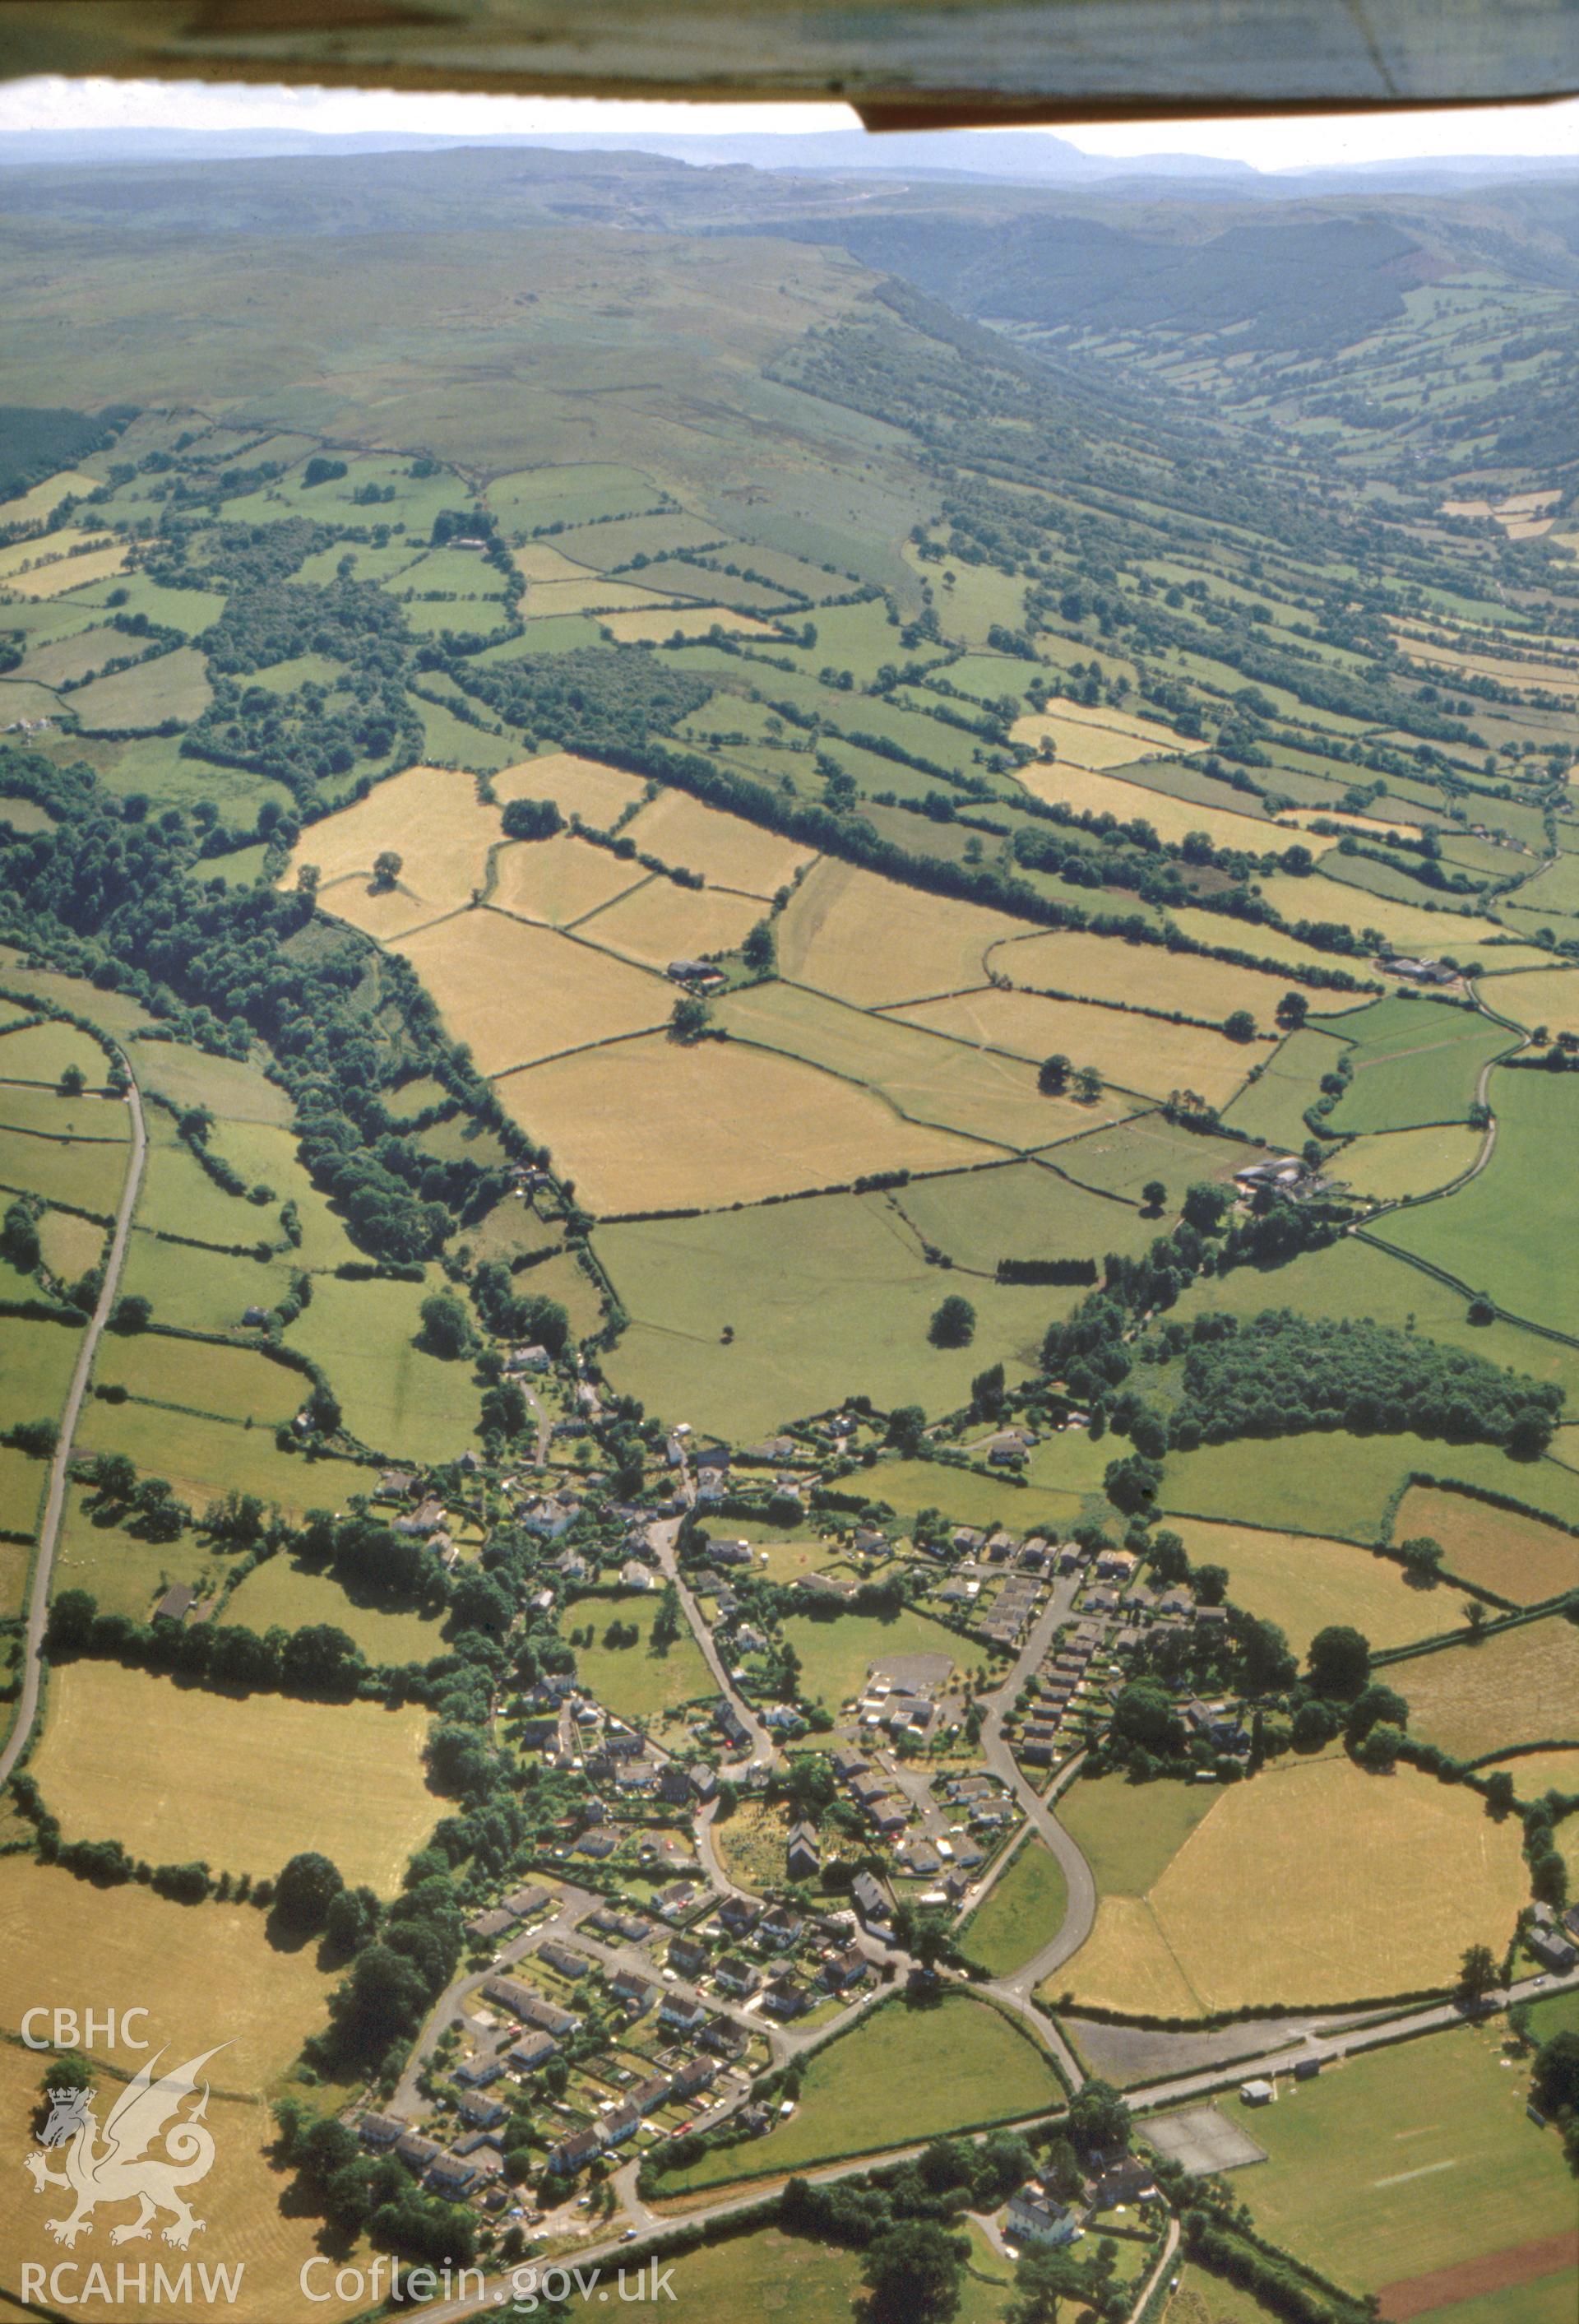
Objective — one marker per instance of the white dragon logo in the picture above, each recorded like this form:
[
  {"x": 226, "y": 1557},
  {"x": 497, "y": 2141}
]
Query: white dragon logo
[{"x": 120, "y": 2168}]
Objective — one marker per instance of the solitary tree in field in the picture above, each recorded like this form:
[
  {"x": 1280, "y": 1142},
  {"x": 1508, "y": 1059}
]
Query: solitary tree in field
[
  {"x": 1339, "y": 1661},
  {"x": 1292, "y": 1010},
  {"x": 1053, "y": 1078},
  {"x": 690, "y": 1018},
  {"x": 1153, "y": 1194},
  {"x": 1477, "y": 1973},
  {"x": 73, "y": 1082},
  {"x": 1087, "y": 1084},
  {"x": 387, "y": 866},
  {"x": 1240, "y": 1026},
  {"x": 954, "y": 1324},
  {"x": 906, "y": 1426},
  {"x": 911, "y": 2276},
  {"x": 447, "y": 1330}
]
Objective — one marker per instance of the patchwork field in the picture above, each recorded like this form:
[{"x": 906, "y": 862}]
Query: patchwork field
[
  {"x": 902, "y": 2074},
  {"x": 1146, "y": 1053},
  {"x": 558, "y": 880},
  {"x": 1303, "y": 1584},
  {"x": 281, "y": 1592},
  {"x": 515, "y": 993},
  {"x": 1344, "y": 1874},
  {"x": 1514, "y": 1231},
  {"x": 1404, "y": 927},
  {"x": 579, "y": 787},
  {"x": 1022, "y": 1210},
  {"x": 623, "y": 1121},
  {"x": 1521, "y": 1687},
  {"x": 1141, "y": 975},
  {"x": 1412, "y": 1064},
  {"x": 140, "y": 699},
  {"x": 84, "y": 1174},
  {"x": 658, "y": 921},
  {"x": 177, "y": 1774},
  {"x": 429, "y": 817},
  {"x": 925, "y": 1076},
  {"x": 1123, "y": 1158},
  {"x": 1517, "y": 1557},
  {"x": 1087, "y": 792},
  {"x": 1406, "y": 2162},
  {"x": 1340, "y": 1484},
  {"x": 870, "y": 941},
  {"x": 1548, "y": 997},
  {"x": 761, "y": 1272},
  {"x": 726, "y": 851},
  {"x": 204, "y": 1974},
  {"x": 247, "y": 2229},
  {"x": 195, "y": 1376},
  {"x": 202, "y": 1458}
]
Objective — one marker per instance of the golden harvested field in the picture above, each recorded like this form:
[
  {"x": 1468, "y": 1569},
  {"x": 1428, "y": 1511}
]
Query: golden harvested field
[
  {"x": 1091, "y": 734},
  {"x": 1521, "y": 1687},
  {"x": 239, "y": 2201},
  {"x": 1138, "y": 1053},
  {"x": 1170, "y": 819},
  {"x": 689, "y": 621},
  {"x": 42, "y": 500},
  {"x": 726, "y": 851},
  {"x": 599, "y": 795},
  {"x": 1517, "y": 1557},
  {"x": 557, "y": 881},
  {"x": 1390, "y": 1164},
  {"x": 1356, "y": 1886},
  {"x": 517, "y": 994},
  {"x": 657, "y": 922},
  {"x": 1303, "y": 1582},
  {"x": 1407, "y": 926},
  {"x": 432, "y": 818},
  {"x": 590, "y": 595},
  {"x": 539, "y": 561},
  {"x": 176, "y": 1773},
  {"x": 624, "y": 1122},
  {"x": 875, "y": 942},
  {"x": 57, "y": 573},
  {"x": 204, "y": 1974},
  {"x": 1105, "y": 968},
  {"x": 1536, "y": 1773},
  {"x": 1542, "y": 996}
]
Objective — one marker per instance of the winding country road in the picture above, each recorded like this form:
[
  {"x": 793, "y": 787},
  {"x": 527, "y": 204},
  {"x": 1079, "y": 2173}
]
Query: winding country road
[{"x": 38, "y": 1610}]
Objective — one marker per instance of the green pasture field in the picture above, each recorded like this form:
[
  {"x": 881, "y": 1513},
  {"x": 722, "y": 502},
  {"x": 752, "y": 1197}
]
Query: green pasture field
[
  {"x": 178, "y": 1198},
  {"x": 1129, "y": 1834},
  {"x": 1022, "y": 1211},
  {"x": 90, "y": 1120},
  {"x": 191, "y": 611},
  {"x": 575, "y": 494},
  {"x": 1554, "y": 889},
  {"x": 1274, "y": 1107},
  {"x": 124, "y": 1575},
  {"x": 1374, "y": 879},
  {"x": 769, "y": 2275},
  {"x": 395, "y": 1397},
  {"x": 230, "y": 1090},
  {"x": 264, "y": 1153},
  {"x": 1514, "y": 1231},
  {"x": 171, "y": 686},
  {"x": 198, "y": 1288},
  {"x": 968, "y": 1496},
  {"x": 449, "y": 741},
  {"x": 902, "y": 2074},
  {"x": 1121, "y": 1158},
  {"x": 1020, "y": 1914},
  {"x": 197, "y": 1376},
  {"x": 81, "y": 1174},
  {"x": 1391, "y": 1164},
  {"x": 858, "y": 638},
  {"x": 924, "y": 1076},
  {"x": 1400, "y": 1085},
  {"x": 279, "y": 1591},
  {"x": 456, "y": 573},
  {"x": 632, "y": 1680},
  {"x": 22, "y": 1490},
  {"x": 565, "y": 1278},
  {"x": 203, "y": 1458},
  {"x": 1407, "y": 2161},
  {"x": 178, "y": 1773},
  {"x": 71, "y": 1244},
  {"x": 602, "y": 547},
  {"x": 36, "y": 1364},
  {"x": 837, "y": 1652},
  {"x": 1339, "y": 1484},
  {"x": 285, "y": 677},
  {"x": 42, "y": 1052},
  {"x": 847, "y": 1259}
]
